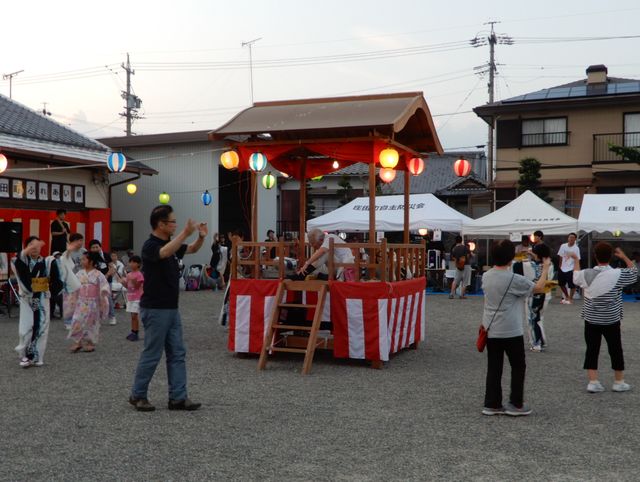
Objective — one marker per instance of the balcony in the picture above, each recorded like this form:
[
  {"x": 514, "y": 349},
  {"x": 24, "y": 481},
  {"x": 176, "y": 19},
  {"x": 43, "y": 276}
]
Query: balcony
[{"x": 605, "y": 160}]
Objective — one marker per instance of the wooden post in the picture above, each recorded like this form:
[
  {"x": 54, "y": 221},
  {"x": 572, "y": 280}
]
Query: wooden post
[
  {"x": 407, "y": 192},
  {"x": 302, "y": 255},
  {"x": 372, "y": 215},
  {"x": 254, "y": 207}
]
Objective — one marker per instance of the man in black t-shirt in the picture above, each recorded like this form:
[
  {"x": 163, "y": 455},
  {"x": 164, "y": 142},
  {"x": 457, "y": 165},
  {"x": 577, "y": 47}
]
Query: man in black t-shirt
[
  {"x": 159, "y": 309},
  {"x": 59, "y": 232}
]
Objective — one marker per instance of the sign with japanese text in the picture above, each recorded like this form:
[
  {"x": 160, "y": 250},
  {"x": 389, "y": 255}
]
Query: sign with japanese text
[{"x": 41, "y": 191}]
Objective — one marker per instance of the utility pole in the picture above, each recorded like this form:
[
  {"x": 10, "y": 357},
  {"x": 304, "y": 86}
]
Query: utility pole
[
  {"x": 492, "y": 40},
  {"x": 250, "y": 45},
  {"x": 132, "y": 101},
  {"x": 10, "y": 77}
]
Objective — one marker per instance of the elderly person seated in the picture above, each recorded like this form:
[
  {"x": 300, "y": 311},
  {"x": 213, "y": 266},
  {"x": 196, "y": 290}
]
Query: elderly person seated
[{"x": 318, "y": 260}]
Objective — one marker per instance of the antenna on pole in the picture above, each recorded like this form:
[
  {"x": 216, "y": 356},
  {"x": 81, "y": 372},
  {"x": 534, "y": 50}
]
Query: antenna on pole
[
  {"x": 250, "y": 45},
  {"x": 132, "y": 101},
  {"x": 10, "y": 77}
]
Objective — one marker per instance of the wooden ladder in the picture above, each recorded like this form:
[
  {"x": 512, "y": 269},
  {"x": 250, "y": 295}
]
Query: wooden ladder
[{"x": 270, "y": 344}]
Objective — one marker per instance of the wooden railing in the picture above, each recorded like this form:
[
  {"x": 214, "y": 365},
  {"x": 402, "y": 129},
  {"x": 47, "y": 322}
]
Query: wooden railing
[{"x": 372, "y": 261}]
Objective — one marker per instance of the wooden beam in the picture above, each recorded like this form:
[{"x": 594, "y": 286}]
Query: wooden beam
[
  {"x": 254, "y": 207},
  {"x": 302, "y": 256},
  {"x": 407, "y": 192},
  {"x": 372, "y": 214}
]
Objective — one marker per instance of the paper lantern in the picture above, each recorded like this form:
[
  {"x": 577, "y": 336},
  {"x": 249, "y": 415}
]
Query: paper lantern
[
  {"x": 164, "y": 198},
  {"x": 230, "y": 159},
  {"x": 423, "y": 231},
  {"x": 285, "y": 175},
  {"x": 389, "y": 158},
  {"x": 342, "y": 235},
  {"x": 132, "y": 188},
  {"x": 257, "y": 162},
  {"x": 472, "y": 246},
  {"x": 335, "y": 165},
  {"x": 206, "y": 198},
  {"x": 415, "y": 166},
  {"x": 387, "y": 175},
  {"x": 3, "y": 163},
  {"x": 617, "y": 233},
  {"x": 268, "y": 180},
  {"x": 117, "y": 162},
  {"x": 317, "y": 178},
  {"x": 462, "y": 168}
]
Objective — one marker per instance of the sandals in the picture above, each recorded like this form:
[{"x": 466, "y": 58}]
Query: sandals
[
  {"x": 89, "y": 348},
  {"x": 75, "y": 348}
]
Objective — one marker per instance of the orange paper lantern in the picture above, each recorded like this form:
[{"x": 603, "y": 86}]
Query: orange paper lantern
[
  {"x": 389, "y": 158},
  {"x": 230, "y": 159},
  {"x": 415, "y": 166},
  {"x": 387, "y": 175}
]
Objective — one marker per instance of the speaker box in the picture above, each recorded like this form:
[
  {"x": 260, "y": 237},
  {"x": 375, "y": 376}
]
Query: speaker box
[
  {"x": 433, "y": 259},
  {"x": 10, "y": 237}
]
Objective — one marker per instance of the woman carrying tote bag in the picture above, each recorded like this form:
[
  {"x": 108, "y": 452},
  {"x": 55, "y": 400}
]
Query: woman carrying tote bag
[{"x": 504, "y": 296}]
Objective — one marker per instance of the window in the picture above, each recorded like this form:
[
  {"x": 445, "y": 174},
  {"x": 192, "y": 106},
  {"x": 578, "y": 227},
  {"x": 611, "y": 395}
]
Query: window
[
  {"x": 544, "y": 132},
  {"x": 632, "y": 130}
]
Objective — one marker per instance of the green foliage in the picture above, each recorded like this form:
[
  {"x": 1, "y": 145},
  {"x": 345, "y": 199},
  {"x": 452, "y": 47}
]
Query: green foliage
[
  {"x": 344, "y": 192},
  {"x": 530, "y": 178},
  {"x": 627, "y": 153}
]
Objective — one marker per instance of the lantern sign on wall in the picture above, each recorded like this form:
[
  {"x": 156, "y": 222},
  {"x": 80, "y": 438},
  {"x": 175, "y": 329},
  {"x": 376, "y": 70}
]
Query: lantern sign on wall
[
  {"x": 387, "y": 175},
  {"x": 117, "y": 162},
  {"x": 132, "y": 188},
  {"x": 164, "y": 198},
  {"x": 230, "y": 159},
  {"x": 462, "y": 167},
  {"x": 423, "y": 231},
  {"x": 257, "y": 162},
  {"x": 268, "y": 180},
  {"x": 206, "y": 198},
  {"x": 3, "y": 163},
  {"x": 472, "y": 246},
  {"x": 389, "y": 158},
  {"x": 415, "y": 166}
]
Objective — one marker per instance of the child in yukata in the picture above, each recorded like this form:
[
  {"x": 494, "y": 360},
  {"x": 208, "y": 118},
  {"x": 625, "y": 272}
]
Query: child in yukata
[{"x": 89, "y": 305}]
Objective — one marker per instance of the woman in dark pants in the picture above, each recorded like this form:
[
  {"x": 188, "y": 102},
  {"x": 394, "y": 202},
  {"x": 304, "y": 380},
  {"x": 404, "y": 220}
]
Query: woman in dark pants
[{"x": 504, "y": 296}]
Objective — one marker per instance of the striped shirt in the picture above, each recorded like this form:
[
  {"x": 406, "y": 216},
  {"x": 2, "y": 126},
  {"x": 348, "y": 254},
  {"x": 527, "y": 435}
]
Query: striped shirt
[{"x": 602, "y": 289}]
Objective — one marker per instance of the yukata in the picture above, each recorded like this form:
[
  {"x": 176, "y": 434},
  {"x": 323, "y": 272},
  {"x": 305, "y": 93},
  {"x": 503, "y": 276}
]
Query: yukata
[
  {"x": 88, "y": 306},
  {"x": 34, "y": 277},
  {"x": 70, "y": 283},
  {"x": 536, "y": 305}
]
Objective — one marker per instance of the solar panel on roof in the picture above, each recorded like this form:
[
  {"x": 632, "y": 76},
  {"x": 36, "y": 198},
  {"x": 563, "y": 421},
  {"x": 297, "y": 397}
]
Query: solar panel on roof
[
  {"x": 578, "y": 91},
  {"x": 558, "y": 92}
]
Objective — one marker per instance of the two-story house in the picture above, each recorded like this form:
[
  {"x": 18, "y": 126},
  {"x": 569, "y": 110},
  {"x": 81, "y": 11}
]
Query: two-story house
[{"x": 568, "y": 129}]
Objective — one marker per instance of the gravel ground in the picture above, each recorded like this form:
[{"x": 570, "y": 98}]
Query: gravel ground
[{"x": 417, "y": 419}]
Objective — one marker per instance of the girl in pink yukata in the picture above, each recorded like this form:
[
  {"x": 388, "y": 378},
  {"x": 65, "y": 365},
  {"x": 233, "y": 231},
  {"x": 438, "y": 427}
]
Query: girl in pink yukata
[{"x": 89, "y": 305}]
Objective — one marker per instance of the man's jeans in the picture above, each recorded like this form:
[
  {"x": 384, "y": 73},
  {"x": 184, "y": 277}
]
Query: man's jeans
[{"x": 162, "y": 331}]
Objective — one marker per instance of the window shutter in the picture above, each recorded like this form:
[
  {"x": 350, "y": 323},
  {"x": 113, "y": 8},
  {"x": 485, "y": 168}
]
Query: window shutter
[{"x": 509, "y": 133}]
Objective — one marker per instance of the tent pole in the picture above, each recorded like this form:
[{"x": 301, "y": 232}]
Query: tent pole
[
  {"x": 588, "y": 250},
  {"x": 407, "y": 191},
  {"x": 372, "y": 215},
  {"x": 254, "y": 207},
  {"x": 302, "y": 255}
]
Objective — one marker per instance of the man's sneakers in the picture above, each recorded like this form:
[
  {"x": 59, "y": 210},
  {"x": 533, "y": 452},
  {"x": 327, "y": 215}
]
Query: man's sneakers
[
  {"x": 493, "y": 411},
  {"x": 185, "y": 404},
  {"x": 513, "y": 411},
  {"x": 26, "y": 362},
  {"x": 112, "y": 320},
  {"x": 620, "y": 386},
  {"x": 509, "y": 409},
  {"x": 595, "y": 387},
  {"x": 141, "y": 404},
  {"x": 536, "y": 348},
  {"x": 133, "y": 336}
]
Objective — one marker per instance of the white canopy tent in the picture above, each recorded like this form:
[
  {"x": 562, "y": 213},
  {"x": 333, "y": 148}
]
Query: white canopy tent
[
  {"x": 610, "y": 213},
  {"x": 426, "y": 211},
  {"x": 524, "y": 215}
]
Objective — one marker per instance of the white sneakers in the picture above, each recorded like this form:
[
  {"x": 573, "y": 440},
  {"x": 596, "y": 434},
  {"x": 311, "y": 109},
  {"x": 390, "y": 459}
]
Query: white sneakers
[
  {"x": 565, "y": 301},
  {"x": 112, "y": 320},
  {"x": 597, "y": 387}
]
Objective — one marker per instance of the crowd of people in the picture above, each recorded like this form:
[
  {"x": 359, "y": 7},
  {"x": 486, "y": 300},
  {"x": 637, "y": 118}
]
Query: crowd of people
[{"x": 81, "y": 282}]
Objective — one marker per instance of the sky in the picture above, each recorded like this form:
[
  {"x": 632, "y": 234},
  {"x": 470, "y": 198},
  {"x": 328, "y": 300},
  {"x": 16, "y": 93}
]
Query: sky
[{"x": 192, "y": 72}]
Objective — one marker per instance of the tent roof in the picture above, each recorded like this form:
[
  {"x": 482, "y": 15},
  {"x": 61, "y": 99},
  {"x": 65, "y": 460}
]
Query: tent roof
[
  {"x": 426, "y": 211},
  {"x": 525, "y": 214},
  {"x": 610, "y": 212},
  {"x": 404, "y": 117}
]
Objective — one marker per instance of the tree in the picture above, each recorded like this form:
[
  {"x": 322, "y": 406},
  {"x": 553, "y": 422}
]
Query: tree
[
  {"x": 344, "y": 192},
  {"x": 627, "y": 153},
  {"x": 530, "y": 178}
]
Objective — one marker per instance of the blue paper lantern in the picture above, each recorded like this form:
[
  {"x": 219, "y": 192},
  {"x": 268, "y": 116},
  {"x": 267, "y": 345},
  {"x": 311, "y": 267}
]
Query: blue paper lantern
[
  {"x": 257, "y": 162},
  {"x": 117, "y": 162},
  {"x": 206, "y": 198}
]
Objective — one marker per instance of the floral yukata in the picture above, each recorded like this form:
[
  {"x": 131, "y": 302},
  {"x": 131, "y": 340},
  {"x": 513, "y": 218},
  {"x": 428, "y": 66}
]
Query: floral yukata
[
  {"x": 88, "y": 306},
  {"x": 34, "y": 275}
]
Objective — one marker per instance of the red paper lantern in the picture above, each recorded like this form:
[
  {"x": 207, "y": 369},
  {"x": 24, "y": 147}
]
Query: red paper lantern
[
  {"x": 462, "y": 168},
  {"x": 415, "y": 166},
  {"x": 387, "y": 175}
]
